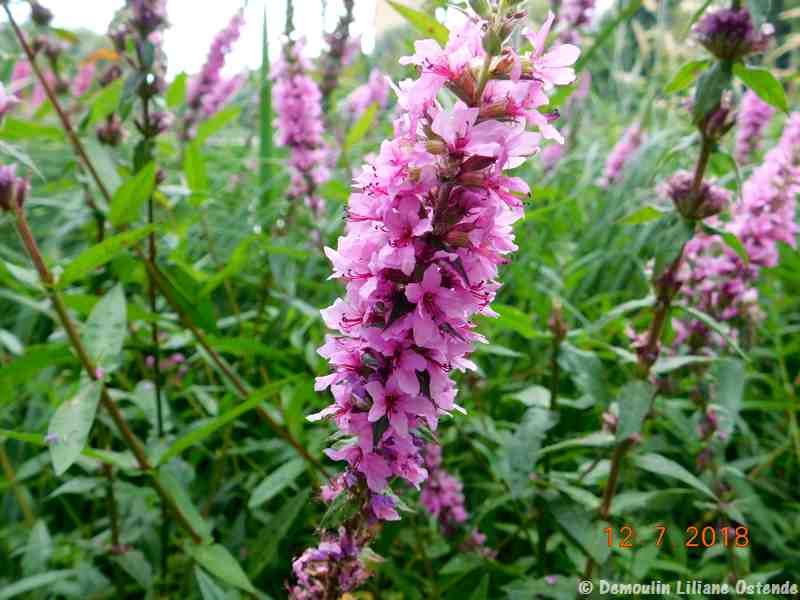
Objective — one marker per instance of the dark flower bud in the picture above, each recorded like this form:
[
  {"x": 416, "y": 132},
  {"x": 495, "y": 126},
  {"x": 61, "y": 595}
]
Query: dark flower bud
[
  {"x": 111, "y": 74},
  {"x": 13, "y": 189},
  {"x": 40, "y": 42},
  {"x": 148, "y": 15},
  {"x": 708, "y": 200},
  {"x": 111, "y": 133},
  {"x": 119, "y": 37},
  {"x": 730, "y": 35},
  {"x": 41, "y": 15},
  {"x": 556, "y": 323},
  {"x": 718, "y": 122}
]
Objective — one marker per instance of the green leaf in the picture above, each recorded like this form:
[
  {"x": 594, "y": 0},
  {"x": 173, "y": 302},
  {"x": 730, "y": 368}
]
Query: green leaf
[
  {"x": 34, "y": 582},
  {"x": 667, "y": 364},
  {"x": 276, "y": 482},
  {"x": 333, "y": 189},
  {"x": 209, "y": 590},
  {"x": 99, "y": 254},
  {"x": 176, "y": 92},
  {"x": 514, "y": 319},
  {"x": 708, "y": 93},
  {"x": 16, "y": 129},
  {"x": 482, "y": 591},
  {"x": 462, "y": 564},
  {"x": 168, "y": 479},
  {"x": 686, "y": 75},
  {"x": 216, "y": 123},
  {"x": 521, "y": 451},
  {"x": 106, "y": 329},
  {"x": 655, "y": 463},
  {"x": 70, "y": 425},
  {"x": 576, "y": 522},
  {"x": 361, "y": 127},
  {"x": 671, "y": 236},
  {"x": 194, "y": 166},
  {"x": 135, "y": 564},
  {"x": 126, "y": 205},
  {"x": 422, "y": 22},
  {"x": 587, "y": 371},
  {"x": 277, "y": 528},
  {"x": 27, "y": 277},
  {"x": 634, "y": 404},
  {"x": 763, "y": 83},
  {"x": 219, "y": 562},
  {"x": 729, "y": 381},
  {"x": 106, "y": 102},
  {"x": 644, "y": 214},
  {"x": 202, "y": 432}
]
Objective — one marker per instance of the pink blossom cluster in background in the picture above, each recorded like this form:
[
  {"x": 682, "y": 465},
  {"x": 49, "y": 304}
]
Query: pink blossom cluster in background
[
  {"x": 754, "y": 114},
  {"x": 83, "y": 79},
  {"x": 716, "y": 280},
  {"x": 624, "y": 149},
  {"x": 428, "y": 223},
  {"x": 298, "y": 108},
  {"x": 575, "y": 15},
  {"x": 209, "y": 91},
  {"x": 376, "y": 90}
]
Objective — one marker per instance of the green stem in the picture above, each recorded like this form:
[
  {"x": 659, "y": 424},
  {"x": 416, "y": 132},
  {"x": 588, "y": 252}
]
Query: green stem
[{"x": 19, "y": 492}]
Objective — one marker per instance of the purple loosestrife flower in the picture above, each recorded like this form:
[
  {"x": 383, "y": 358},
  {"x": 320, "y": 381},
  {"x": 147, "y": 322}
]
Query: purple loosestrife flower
[
  {"x": 376, "y": 90},
  {"x": 429, "y": 222},
  {"x": 298, "y": 107},
  {"x": 754, "y": 114},
  {"x": 576, "y": 13},
  {"x": 625, "y": 148},
  {"x": 716, "y": 280}
]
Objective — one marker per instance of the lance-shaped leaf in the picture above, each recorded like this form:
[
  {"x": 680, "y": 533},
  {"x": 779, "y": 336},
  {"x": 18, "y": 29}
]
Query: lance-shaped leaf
[
  {"x": 105, "y": 330},
  {"x": 126, "y": 205},
  {"x": 70, "y": 425},
  {"x": 422, "y": 22}
]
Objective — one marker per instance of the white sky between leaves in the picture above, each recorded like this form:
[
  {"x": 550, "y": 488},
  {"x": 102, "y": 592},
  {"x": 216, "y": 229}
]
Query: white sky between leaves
[{"x": 194, "y": 23}]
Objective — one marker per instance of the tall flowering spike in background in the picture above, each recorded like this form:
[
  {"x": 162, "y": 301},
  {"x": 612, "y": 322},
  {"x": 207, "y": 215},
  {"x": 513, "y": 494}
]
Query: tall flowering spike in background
[
  {"x": 428, "y": 223},
  {"x": 575, "y": 15},
  {"x": 717, "y": 281},
  {"x": 622, "y": 152},
  {"x": 208, "y": 91},
  {"x": 335, "y": 59},
  {"x": 298, "y": 110},
  {"x": 754, "y": 114}
]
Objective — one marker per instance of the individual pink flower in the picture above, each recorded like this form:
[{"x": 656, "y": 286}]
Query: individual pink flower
[{"x": 7, "y": 101}]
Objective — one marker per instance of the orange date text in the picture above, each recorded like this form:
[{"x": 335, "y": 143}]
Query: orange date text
[{"x": 694, "y": 537}]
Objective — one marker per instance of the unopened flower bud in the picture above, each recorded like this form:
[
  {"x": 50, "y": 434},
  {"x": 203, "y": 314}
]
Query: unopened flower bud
[
  {"x": 12, "y": 188},
  {"x": 160, "y": 122},
  {"x": 41, "y": 15},
  {"x": 119, "y": 37},
  {"x": 718, "y": 122},
  {"x": 729, "y": 34},
  {"x": 149, "y": 15},
  {"x": 111, "y": 133},
  {"x": 111, "y": 74},
  {"x": 556, "y": 322},
  {"x": 7, "y": 101},
  {"x": 706, "y": 201}
]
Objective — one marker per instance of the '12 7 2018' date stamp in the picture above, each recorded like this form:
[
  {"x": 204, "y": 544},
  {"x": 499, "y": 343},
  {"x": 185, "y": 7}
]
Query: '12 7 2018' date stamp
[{"x": 694, "y": 537}]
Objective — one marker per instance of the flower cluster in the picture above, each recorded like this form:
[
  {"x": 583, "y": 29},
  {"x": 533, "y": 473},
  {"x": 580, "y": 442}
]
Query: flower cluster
[
  {"x": 717, "y": 281},
  {"x": 729, "y": 34},
  {"x": 376, "y": 90},
  {"x": 83, "y": 79},
  {"x": 336, "y": 562},
  {"x": 622, "y": 152},
  {"x": 7, "y": 101},
  {"x": 575, "y": 15},
  {"x": 754, "y": 114},
  {"x": 208, "y": 91},
  {"x": 429, "y": 222},
  {"x": 299, "y": 122},
  {"x": 442, "y": 493}
]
